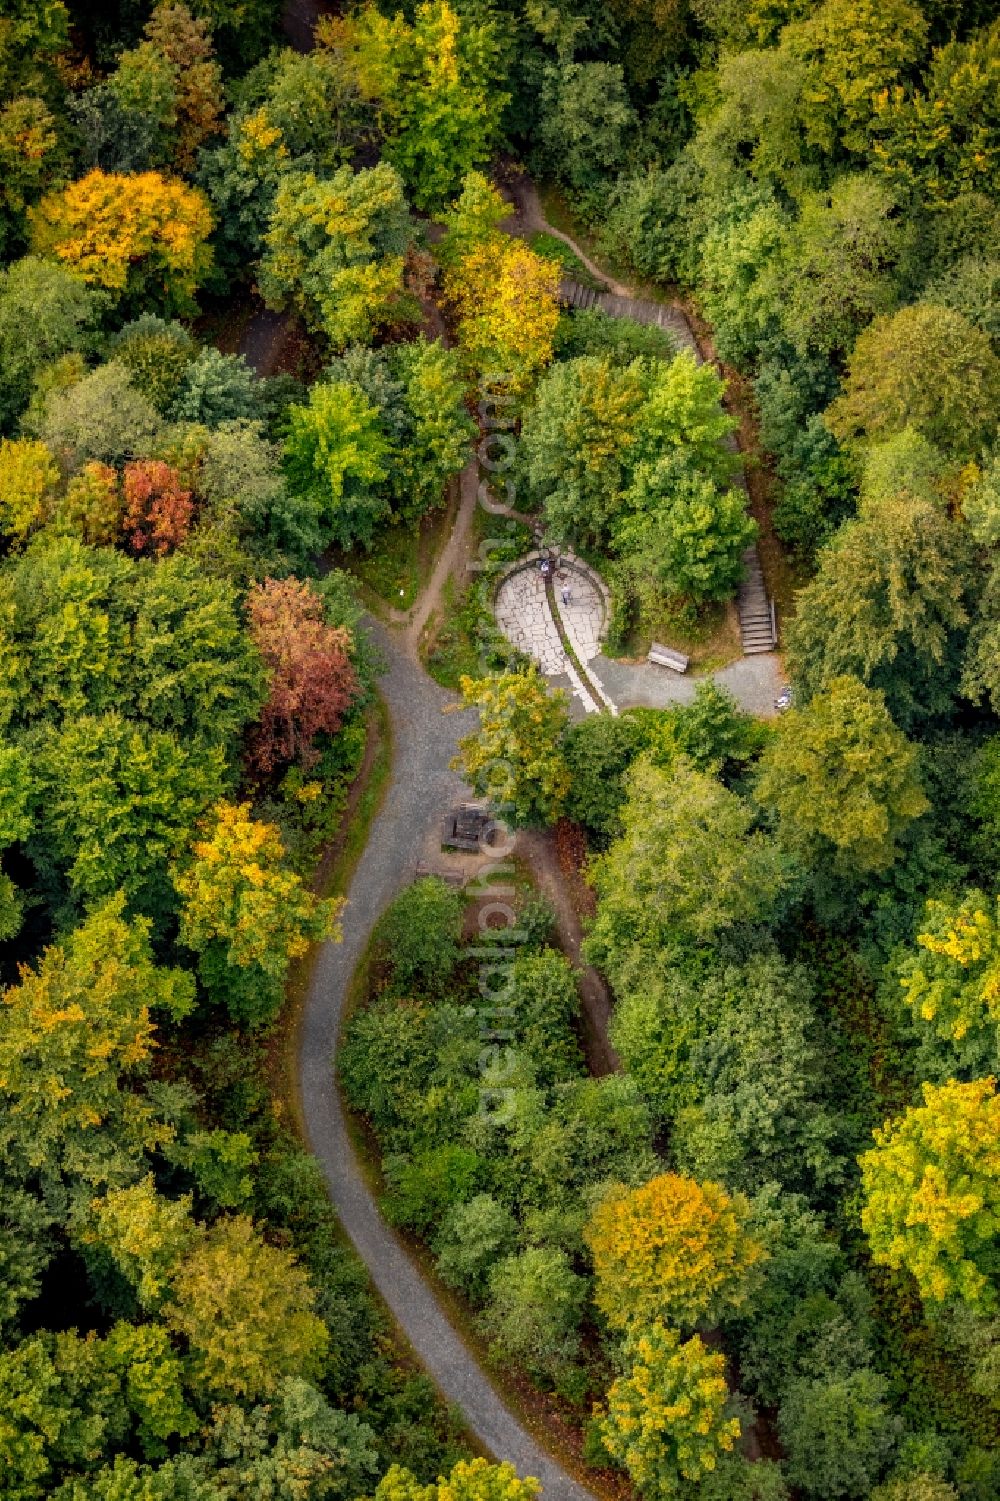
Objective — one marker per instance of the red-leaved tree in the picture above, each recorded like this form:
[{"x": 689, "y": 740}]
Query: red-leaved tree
[
  {"x": 158, "y": 510},
  {"x": 312, "y": 682}
]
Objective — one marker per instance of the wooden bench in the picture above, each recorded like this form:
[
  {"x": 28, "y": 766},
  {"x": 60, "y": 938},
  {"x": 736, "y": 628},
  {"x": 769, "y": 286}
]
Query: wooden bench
[
  {"x": 662, "y": 656},
  {"x": 450, "y": 877}
]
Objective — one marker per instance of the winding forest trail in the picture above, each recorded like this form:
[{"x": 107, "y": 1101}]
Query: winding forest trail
[
  {"x": 426, "y": 729},
  {"x": 426, "y": 726}
]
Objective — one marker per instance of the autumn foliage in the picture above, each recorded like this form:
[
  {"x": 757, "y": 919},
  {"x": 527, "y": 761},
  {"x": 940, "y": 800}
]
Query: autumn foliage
[
  {"x": 158, "y": 510},
  {"x": 506, "y": 300},
  {"x": 312, "y": 682},
  {"x": 667, "y": 1421},
  {"x": 673, "y": 1249},
  {"x": 932, "y": 1193},
  {"x": 91, "y": 507},
  {"x": 128, "y": 233},
  {"x": 238, "y": 891}
]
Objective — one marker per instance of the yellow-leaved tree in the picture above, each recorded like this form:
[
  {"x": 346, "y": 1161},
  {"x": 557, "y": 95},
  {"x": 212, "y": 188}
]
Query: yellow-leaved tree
[
  {"x": 668, "y": 1420},
  {"x": 952, "y": 982},
  {"x": 504, "y": 295},
  {"x": 673, "y": 1249},
  {"x": 246, "y": 1309},
  {"x": 470, "y": 1480},
  {"x": 932, "y": 1193},
  {"x": 141, "y": 236},
  {"x": 515, "y": 757},
  {"x": 29, "y": 476},
  {"x": 246, "y": 913}
]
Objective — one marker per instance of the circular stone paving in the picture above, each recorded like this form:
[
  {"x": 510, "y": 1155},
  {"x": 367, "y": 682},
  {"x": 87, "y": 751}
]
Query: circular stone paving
[{"x": 523, "y": 614}]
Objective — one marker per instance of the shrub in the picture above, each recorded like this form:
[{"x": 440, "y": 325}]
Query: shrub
[{"x": 418, "y": 935}]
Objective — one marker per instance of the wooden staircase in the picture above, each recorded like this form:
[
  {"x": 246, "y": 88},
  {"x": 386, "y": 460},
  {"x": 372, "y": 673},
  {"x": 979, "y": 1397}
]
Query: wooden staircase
[
  {"x": 639, "y": 309},
  {"x": 757, "y": 623}
]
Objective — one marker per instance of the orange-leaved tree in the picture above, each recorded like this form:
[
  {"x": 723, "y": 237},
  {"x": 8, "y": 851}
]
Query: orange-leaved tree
[
  {"x": 141, "y": 236},
  {"x": 673, "y": 1249},
  {"x": 158, "y": 510},
  {"x": 311, "y": 680}
]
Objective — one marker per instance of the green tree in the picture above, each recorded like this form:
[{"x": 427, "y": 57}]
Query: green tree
[
  {"x": 683, "y": 412},
  {"x": 56, "y": 661},
  {"x": 585, "y": 123},
  {"x": 599, "y": 751},
  {"x": 216, "y": 388},
  {"x": 887, "y": 606},
  {"x": 515, "y": 758},
  {"x": 689, "y": 864},
  {"x": 852, "y": 50},
  {"x": 927, "y": 368},
  {"x": 436, "y": 85},
  {"x": 838, "y": 1433},
  {"x": 246, "y": 1311},
  {"x": 534, "y": 1310},
  {"x": 295, "y": 1444},
  {"x": 75, "y": 1032},
  {"x": 335, "y": 250},
  {"x": 668, "y": 1422},
  {"x": 62, "y": 1410},
  {"x": 336, "y": 459},
  {"x": 932, "y": 1193},
  {"x": 46, "y": 312},
  {"x": 418, "y": 935},
  {"x": 144, "y": 1234},
  {"x": 474, "y": 1238},
  {"x": 756, "y": 1064},
  {"x": 671, "y": 1249},
  {"x": 101, "y": 416},
  {"x": 681, "y": 535},
  {"x": 152, "y": 1377},
  {"x": 180, "y": 1479},
  {"x": 847, "y": 249},
  {"x": 190, "y": 666},
  {"x": 842, "y": 779},
  {"x": 575, "y": 444},
  {"x": 545, "y": 1005},
  {"x": 916, "y": 1487},
  {"x": 156, "y": 354},
  {"x": 119, "y": 802},
  {"x": 437, "y": 441},
  {"x": 472, "y": 220},
  {"x": 943, "y": 138}
]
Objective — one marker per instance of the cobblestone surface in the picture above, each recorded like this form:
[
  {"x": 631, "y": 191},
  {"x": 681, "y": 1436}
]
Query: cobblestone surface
[
  {"x": 583, "y": 617},
  {"x": 523, "y": 615}
]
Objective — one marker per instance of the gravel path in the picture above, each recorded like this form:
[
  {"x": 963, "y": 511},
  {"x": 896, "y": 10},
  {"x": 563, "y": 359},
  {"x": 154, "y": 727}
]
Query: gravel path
[
  {"x": 403, "y": 833},
  {"x": 424, "y": 740},
  {"x": 754, "y": 683}
]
